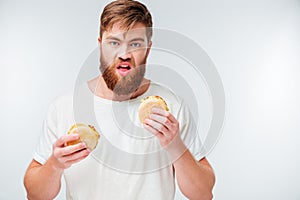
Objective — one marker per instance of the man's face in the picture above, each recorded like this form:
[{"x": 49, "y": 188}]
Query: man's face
[{"x": 123, "y": 58}]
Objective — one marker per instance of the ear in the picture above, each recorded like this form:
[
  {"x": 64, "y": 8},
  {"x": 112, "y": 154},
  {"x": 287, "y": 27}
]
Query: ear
[
  {"x": 148, "y": 49},
  {"x": 99, "y": 43}
]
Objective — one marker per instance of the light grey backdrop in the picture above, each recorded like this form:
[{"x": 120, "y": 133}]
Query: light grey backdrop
[{"x": 255, "y": 46}]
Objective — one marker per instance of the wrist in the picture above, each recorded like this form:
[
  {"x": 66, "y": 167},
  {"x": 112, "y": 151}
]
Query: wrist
[
  {"x": 54, "y": 165},
  {"x": 176, "y": 148}
]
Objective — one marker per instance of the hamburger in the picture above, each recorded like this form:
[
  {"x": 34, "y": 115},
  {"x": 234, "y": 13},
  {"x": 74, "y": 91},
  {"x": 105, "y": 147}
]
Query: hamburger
[
  {"x": 148, "y": 103},
  {"x": 87, "y": 133}
]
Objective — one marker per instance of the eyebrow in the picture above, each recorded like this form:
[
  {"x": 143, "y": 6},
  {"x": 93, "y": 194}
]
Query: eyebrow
[
  {"x": 113, "y": 38},
  {"x": 132, "y": 40},
  {"x": 137, "y": 39}
]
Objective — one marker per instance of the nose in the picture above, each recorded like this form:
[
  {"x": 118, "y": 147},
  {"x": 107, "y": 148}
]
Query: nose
[
  {"x": 125, "y": 56},
  {"x": 124, "y": 53}
]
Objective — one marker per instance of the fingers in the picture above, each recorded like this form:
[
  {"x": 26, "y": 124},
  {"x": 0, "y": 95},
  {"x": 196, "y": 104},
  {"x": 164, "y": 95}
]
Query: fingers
[
  {"x": 154, "y": 131},
  {"x": 163, "y": 121},
  {"x": 72, "y": 149},
  {"x": 159, "y": 127},
  {"x": 66, "y": 138},
  {"x": 77, "y": 155},
  {"x": 164, "y": 125},
  {"x": 164, "y": 139},
  {"x": 159, "y": 121},
  {"x": 164, "y": 113},
  {"x": 65, "y": 156},
  {"x": 64, "y": 162},
  {"x": 71, "y": 162}
]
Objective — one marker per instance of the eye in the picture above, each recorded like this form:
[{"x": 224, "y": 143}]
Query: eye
[
  {"x": 135, "y": 44},
  {"x": 114, "y": 43}
]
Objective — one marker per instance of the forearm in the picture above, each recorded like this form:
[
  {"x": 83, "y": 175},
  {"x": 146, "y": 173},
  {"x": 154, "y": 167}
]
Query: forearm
[
  {"x": 195, "y": 180},
  {"x": 43, "y": 181}
]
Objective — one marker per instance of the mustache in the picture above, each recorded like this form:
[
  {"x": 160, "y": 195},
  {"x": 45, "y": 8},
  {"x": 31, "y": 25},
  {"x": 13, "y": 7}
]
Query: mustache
[
  {"x": 120, "y": 60},
  {"x": 104, "y": 65}
]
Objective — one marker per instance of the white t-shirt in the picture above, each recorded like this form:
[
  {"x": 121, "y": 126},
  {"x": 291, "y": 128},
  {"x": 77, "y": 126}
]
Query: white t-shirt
[{"x": 128, "y": 162}]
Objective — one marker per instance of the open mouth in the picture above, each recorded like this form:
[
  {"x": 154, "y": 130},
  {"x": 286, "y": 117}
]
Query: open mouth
[{"x": 124, "y": 68}]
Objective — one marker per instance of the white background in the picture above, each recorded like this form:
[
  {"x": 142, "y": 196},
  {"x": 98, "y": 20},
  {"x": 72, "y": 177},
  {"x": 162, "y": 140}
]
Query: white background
[{"x": 255, "y": 46}]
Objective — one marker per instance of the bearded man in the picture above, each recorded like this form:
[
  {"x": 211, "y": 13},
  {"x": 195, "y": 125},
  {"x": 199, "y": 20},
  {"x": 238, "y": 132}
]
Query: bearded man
[{"x": 130, "y": 161}]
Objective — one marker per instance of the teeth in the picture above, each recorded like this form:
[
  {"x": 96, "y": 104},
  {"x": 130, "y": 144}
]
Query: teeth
[{"x": 124, "y": 66}]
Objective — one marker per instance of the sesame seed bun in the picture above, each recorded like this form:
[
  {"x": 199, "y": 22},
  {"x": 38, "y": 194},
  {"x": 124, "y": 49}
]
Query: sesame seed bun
[
  {"x": 148, "y": 103},
  {"x": 87, "y": 133}
]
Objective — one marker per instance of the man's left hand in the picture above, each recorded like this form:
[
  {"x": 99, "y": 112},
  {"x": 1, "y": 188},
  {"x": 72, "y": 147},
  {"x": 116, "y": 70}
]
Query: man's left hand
[{"x": 166, "y": 128}]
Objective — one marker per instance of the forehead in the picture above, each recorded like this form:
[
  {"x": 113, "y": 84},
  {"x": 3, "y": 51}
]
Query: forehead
[{"x": 138, "y": 30}]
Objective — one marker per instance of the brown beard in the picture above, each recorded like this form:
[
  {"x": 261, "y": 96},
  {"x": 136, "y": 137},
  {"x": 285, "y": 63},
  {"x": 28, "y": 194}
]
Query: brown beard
[{"x": 122, "y": 85}]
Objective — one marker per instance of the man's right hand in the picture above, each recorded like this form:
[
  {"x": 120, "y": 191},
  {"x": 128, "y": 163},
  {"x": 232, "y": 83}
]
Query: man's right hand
[
  {"x": 44, "y": 181},
  {"x": 64, "y": 156}
]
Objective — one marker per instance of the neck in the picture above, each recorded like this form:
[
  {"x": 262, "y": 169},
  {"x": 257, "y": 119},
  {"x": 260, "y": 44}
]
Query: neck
[{"x": 100, "y": 89}]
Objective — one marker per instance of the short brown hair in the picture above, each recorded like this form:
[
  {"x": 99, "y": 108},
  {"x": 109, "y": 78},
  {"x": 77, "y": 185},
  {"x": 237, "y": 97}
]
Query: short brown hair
[{"x": 126, "y": 12}]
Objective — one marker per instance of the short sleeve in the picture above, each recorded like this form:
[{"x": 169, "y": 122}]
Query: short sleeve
[
  {"x": 189, "y": 132},
  {"x": 44, "y": 148}
]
